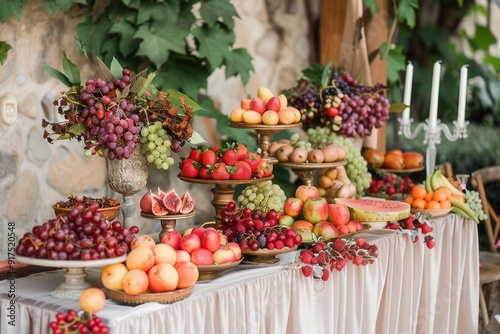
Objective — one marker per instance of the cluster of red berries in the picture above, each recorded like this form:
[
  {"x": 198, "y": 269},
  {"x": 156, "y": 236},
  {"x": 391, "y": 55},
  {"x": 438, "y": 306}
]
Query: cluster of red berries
[
  {"x": 390, "y": 184},
  {"x": 414, "y": 223},
  {"x": 73, "y": 322},
  {"x": 322, "y": 257}
]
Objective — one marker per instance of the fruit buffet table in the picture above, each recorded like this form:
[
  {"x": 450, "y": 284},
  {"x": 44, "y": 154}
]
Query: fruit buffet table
[{"x": 408, "y": 289}]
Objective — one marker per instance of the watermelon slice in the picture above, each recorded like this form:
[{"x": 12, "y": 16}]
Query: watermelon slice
[{"x": 370, "y": 210}]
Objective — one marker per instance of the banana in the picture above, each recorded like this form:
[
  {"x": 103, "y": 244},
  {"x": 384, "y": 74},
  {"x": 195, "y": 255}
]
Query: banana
[
  {"x": 448, "y": 184},
  {"x": 436, "y": 181},
  {"x": 460, "y": 212},
  {"x": 464, "y": 207},
  {"x": 427, "y": 184}
]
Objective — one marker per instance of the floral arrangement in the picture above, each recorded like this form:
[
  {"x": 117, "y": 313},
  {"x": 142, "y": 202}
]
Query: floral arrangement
[
  {"x": 115, "y": 112},
  {"x": 334, "y": 99}
]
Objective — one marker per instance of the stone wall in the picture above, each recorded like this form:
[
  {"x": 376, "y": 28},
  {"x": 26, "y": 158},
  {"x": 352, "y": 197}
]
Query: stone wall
[{"x": 34, "y": 174}]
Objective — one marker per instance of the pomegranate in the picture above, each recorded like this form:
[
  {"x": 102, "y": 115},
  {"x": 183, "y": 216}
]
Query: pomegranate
[
  {"x": 172, "y": 202},
  {"x": 187, "y": 203},
  {"x": 146, "y": 203}
]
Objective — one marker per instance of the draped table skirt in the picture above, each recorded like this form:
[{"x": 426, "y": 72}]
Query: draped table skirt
[{"x": 408, "y": 289}]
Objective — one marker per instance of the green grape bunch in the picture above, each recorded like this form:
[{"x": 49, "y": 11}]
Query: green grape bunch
[
  {"x": 474, "y": 202},
  {"x": 265, "y": 196}
]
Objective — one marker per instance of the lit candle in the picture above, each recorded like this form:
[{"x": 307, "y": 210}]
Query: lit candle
[
  {"x": 436, "y": 75},
  {"x": 407, "y": 93},
  {"x": 462, "y": 96}
]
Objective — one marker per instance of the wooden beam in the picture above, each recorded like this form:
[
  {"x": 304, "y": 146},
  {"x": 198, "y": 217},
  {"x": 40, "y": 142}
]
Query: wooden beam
[{"x": 331, "y": 32}]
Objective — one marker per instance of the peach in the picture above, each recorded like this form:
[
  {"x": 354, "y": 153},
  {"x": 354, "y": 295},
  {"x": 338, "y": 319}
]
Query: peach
[
  {"x": 304, "y": 192},
  {"x": 252, "y": 117},
  {"x": 286, "y": 116},
  {"x": 245, "y": 104},
  {"x": 163, "y": 277},
  {"x": 92, "y": 300},
  {"x": 190, "y": 242},
  {"x": 351, "y": 226},
  {"x": 135, "y": 282},
  {"x": 223, "y": 239},
  {"x": 164, "y": 254},
  {"x": 343, "y": 230},
  {"x": 188, "y": 274},
  {"x": 293, "y": 206},
  {"x": 202, "y": 257},
  {"x": 140, "y": 258},
  {"x": 210, "y": 239},
  {"x": 198, "y": 230},
  {"x": 112, "y": 276},
  {"x": 270, "y": 117},
  {"x": 142, "y": 240},
  {"x": 182, "y": 255},
  {"x": 236, "y": 115},
  {"x": 265, "y": 94}
]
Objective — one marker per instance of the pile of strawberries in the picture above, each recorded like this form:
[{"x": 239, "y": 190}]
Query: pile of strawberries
[
  {"x": 233, "y": 162},
  {"x": 390, "y": 184}
]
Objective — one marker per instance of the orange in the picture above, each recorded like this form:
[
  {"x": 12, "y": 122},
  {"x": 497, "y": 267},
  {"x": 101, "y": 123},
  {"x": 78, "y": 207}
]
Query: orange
[
  {"x": 409, "y": 200},
  {"x": 418, "y": 192},
  {"x": 428, "y": 197},
  {"x": 92, "y": 300},
  {"x": 418, "y": 203},
  {"x": 445, "y": 204},
  {"x": 433, "y": 205},
  {"x": 439, "y": 195},
  {"x": 446, "y": 191},
  {"x": 458, "y": 197}
]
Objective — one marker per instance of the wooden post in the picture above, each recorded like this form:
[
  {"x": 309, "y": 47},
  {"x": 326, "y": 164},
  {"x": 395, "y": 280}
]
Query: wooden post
[{"x": 331, "y": 31}]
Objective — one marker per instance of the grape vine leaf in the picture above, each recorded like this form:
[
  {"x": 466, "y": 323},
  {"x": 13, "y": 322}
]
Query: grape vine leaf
[
  {"x": 406, "y": 10},
  {"x": 77, "y": 128},
  {"x": 213, "y": 43},
  {"x": 314, "y": 73},
  {"x": 116, "y": 68},
  {"x": 9, "y": 8},
  {"x": 158, "y": 45},
  {"x": 127, "y": 44},
  {"x": 395, "y": 62},
  {"x": 214, "y": 10},
  {"x": 239, "y": 62},
  {"x": 326, "y": 74},
  {"x": 161, "y": 11},
  {"x": 372, "y": 4},
  {"x": 4, "y": 49},
  {"x": 176, "y": 101}
]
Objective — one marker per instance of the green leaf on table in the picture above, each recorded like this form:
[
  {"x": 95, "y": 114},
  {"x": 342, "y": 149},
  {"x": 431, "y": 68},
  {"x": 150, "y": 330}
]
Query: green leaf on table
[
  {"x": 4, "y": 49},
  {"x": 158, "y": 44},
  {"x": 407, "y": 12},
  {"x": 211, "y": 11},
  {"x": 9, "y": 8},
  {"x": 213, "y": 43},
  {"x": 397, "y": 107},
  {"x": 239, "y": 61}
]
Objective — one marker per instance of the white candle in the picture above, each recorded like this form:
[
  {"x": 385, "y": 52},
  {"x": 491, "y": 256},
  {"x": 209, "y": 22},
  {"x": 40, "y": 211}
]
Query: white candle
[
  {"x": 436, "y": 75},
  {"x": 462, "y": 96},
  {"x": 407, "y": 92}
]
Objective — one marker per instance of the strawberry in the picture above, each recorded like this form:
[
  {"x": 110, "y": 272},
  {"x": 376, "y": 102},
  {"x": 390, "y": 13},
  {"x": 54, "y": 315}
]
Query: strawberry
[
  {"x": 242, "y": 171},
  {"x": 189, "y": 170},
  {"x": 229, "y": 157},
  {"x": 426, "y": 228},
  {"x": 195, "y": 154},
  {"x": 220, "y": 172},
  {"x": 208, "y": 158},
  {"x": 252, "y": 159},
  {"x": 186, "y": 161},
  {"x": 241, "y": 151},
  {"x": 205, "y": 173},
  {"x": 264, "y": 169}
]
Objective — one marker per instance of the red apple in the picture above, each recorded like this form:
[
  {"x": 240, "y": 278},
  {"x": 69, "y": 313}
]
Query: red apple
[
  {"x": 274, "y": 103},
  {"x": 293, "y": 206},
  {"x": 304, "y": 228},
  {"x": 198, "y": 230},
  {"x": 304, "y": 192},
  {"x": 338, "y": 214},
  {"x": 173, "y": 239},
  {"x": 190, "y": 242},
  {"x": 326, "y": 230},
  {"x": 182, "y": 255},
  {"x": 315, "y": 210},
  {"x": 286, "y": 220},
  {"x": 224, "y": 255},
  {"x": 202, "y": 257},
  {"x": 343, "y": 230},
  {"x": 258, "y": 105},
  {"x": 236, "y": 250},
  {"x": 210, "y": 239}
]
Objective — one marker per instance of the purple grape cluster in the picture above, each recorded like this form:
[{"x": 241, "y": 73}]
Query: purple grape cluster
[{"x": 83, "y": 234}]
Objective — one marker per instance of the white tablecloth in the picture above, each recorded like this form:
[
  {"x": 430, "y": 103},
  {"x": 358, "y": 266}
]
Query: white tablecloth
[{"x": 409, "y": 289}]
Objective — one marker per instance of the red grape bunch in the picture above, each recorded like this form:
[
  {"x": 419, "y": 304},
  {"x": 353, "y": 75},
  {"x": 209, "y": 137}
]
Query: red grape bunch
[
  {"x": 414, "y": 223},
  {"x": 83, "y": 234},
  {"x": 322, "y": 257},
  {"x": 82, "y": 323},
  {"x": 255, "y": 229}
]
